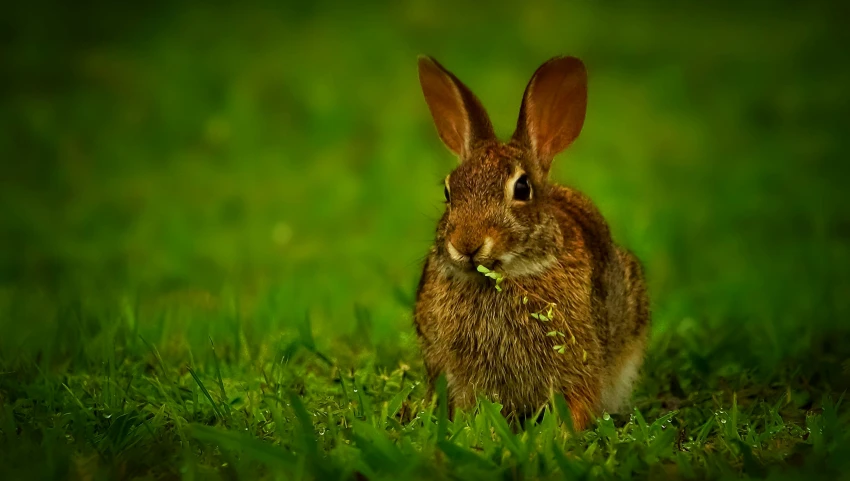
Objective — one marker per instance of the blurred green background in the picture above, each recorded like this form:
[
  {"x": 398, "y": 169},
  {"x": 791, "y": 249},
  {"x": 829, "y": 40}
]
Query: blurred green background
[
  {"x": 180, "y": 170},
  {"x": 189, "y": 154}
]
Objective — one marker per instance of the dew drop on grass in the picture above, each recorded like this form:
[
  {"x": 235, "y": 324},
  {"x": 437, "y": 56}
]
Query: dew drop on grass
[{"x": 606, "y": 417}]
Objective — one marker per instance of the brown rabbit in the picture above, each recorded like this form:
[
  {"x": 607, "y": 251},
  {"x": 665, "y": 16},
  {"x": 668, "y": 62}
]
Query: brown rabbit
[{"x": 552, "y": 247}]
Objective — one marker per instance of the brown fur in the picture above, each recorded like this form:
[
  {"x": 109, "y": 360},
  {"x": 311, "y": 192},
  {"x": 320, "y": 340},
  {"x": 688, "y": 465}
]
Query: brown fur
[{"x": 554, "y": 248}]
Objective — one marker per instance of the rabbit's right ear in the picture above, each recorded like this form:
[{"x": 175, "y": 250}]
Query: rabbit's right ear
[
  {"x": 553, "y": 108},
  {"x": 458, "y": 114}
]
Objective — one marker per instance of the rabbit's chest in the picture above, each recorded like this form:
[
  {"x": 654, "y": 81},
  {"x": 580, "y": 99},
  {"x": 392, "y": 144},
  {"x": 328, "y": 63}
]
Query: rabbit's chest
[
  {"x": 489, "y": 342},
  {"x": 497, "y": 341}
]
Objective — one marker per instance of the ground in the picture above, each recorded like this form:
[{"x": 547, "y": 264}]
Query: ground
[{"x": 213, "y": 219}]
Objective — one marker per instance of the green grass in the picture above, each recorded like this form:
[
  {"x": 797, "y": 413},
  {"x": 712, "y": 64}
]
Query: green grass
[{"x": 212, "y": 221}]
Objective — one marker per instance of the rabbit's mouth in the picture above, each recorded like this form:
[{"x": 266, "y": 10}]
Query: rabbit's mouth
[
  {"x": 470, "y": 272},
  {"x": 468, "y": 266},
  {"x": 489, "y": 264}
]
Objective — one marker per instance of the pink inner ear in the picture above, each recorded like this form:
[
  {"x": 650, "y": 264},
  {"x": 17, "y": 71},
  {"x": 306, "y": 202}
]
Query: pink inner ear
[
  {"x": 555, "y": 106},
  {"x": 446, "y": 106}
]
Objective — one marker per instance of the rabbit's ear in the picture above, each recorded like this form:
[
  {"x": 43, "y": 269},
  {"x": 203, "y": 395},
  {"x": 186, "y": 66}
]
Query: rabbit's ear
[
  {"x": 460, "y": 118},
  {"x": 553, "y": 108}
]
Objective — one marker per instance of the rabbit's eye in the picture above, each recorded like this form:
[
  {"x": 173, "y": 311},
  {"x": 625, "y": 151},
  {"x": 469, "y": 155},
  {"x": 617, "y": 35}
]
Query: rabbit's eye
[{"x": 522, "y": 189}]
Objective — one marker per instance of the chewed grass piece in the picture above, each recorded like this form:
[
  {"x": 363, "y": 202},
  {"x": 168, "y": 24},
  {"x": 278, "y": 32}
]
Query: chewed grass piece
[{"x": 498, "y": 277}]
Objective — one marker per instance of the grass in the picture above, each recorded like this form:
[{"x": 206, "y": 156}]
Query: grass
[{"x": 212, "y": 221}]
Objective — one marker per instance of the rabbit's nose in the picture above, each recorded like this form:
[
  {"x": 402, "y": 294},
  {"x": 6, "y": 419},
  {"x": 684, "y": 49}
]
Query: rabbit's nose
[
  {"x": 470, "y": 251},
  {"x": 483, "y": 250},
  {"x": 467, "y": 247}
]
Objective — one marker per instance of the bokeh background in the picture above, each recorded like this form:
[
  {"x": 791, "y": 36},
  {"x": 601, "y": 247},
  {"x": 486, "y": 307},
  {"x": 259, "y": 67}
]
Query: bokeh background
[
  {"x": 180, "y": 170},
  {"x": 192, "y": 155}
]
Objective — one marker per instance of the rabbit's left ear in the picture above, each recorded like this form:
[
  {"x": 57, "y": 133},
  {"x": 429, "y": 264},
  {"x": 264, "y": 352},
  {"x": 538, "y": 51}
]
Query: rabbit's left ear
[
  {"x": 553, "y": 108},
  {"x": 458, "y": 114}
]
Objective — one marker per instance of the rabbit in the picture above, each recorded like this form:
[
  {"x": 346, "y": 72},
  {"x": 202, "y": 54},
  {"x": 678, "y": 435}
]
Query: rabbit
[{"x": 570, "y": 313}]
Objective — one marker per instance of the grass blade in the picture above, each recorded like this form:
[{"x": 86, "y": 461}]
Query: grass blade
[
  {"x": 462, "y": 456},
  {"x": 206, "y": 393},
  {"x": 563, "y": 411},
  {"x": 379, "y": 452},
  {"x": 224, "y": 397},
  {"x": 500, "y": 424},
  {"x": 305, "y": 426},
  {"x": 251, "y": 447},
  {"x": 442, "y": 408},
  {"x": 395, "y": 403}
]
